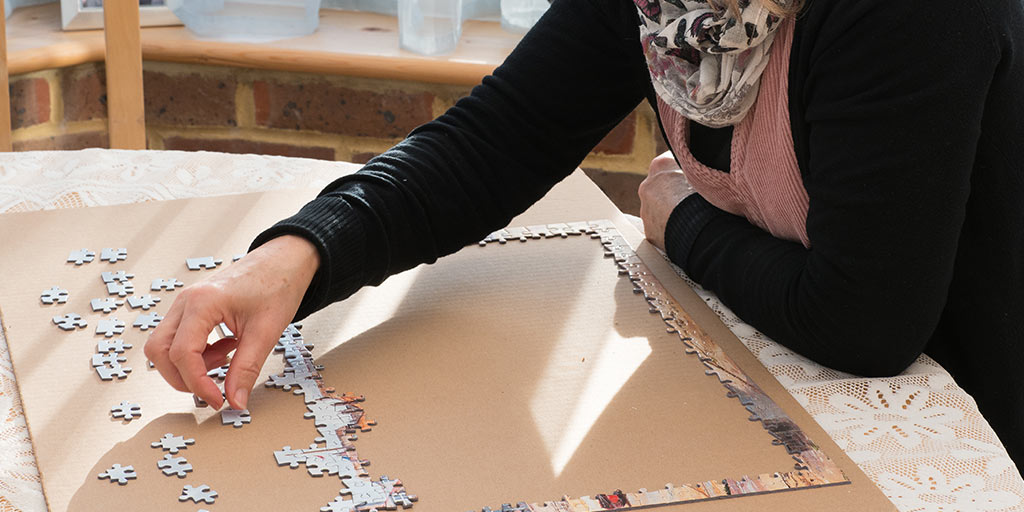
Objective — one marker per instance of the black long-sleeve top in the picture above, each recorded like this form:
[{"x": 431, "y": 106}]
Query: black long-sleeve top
[{"x": 908, "y": 125}]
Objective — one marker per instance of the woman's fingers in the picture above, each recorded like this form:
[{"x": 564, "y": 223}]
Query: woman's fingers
[
  {"x": 186, "y": 351},
  {"x": 257, "y": 296},
  {"x": 254, "y": 346},
  {"x": 159, "y": 344}
]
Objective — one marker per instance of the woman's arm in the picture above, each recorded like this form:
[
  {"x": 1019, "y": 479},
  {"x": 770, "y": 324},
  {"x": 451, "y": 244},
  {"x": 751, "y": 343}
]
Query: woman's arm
[
  {"x": 571, "y": 80},
  {"x": 573, "y": 77},
  {"x": 892, "y": 96}
]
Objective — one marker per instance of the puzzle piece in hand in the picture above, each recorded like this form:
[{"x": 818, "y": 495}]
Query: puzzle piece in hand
[
  {"x": 235, "y": 417},
  {"x": 143, "y": 301},
  {"x": 172, "y": 443},
  {"x": 106, "y": 305},
  {"x": 54, "y": 295},
  {"x": 111, "y": 371},
  {"x": 119, "y": 474},
  {"x": 126, "y": 410},
  {"x": 120, "y": 276},
  {"x": 109, "y": 327},
  {"x": 147, "y": 320},
  {"x": 174, "y": 465},
  {"x": 206, "y": 262},
  {"x": 118, "y": 346},
  {"x": 218, "y": 373},
  {"x": 69, "y": 322},
  {"x": 113, "y": 255},
  {"x": 198, "y": 493},
  {"x": 121, "y": 289},
  {"x": 165, "y": 284},
  {"x": 81, "y": 256}
]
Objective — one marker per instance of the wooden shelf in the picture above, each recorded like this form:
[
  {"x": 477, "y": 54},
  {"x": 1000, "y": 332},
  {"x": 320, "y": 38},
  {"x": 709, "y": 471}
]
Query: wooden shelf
[{"x": 347, "y": 43}]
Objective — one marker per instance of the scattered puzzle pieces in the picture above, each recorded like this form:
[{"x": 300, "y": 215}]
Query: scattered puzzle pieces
[
  {"x": 206, "y": 262},
  {"x": 147, "y": 321},
  {"x": 339, "y": 505},
  {"x": 165, "y": 284},
  {"x": 70, "y": 322},
  {"x": 235, "y": 417},
  {"x": 121, "y": 289},
  {"x": 113, "y": 255},
  {"x": 109, "y": 327},
  {"x": 81, "y": 256},
  {"x": 105, "y": 305},
  {"x": 172, "y": 443},
  {"x": 143, "y": 301},
  {"x": 118, "y": 473},
  {"x": 55, "y": 295},
  {"x": 174, "y": 466},
  {"x": 198, "y": 493},
  {"x": 126, "y": 410}
]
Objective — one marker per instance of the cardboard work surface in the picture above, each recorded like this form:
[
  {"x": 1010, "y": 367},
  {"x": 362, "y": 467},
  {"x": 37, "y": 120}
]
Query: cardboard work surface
[{"x": 520, "y": 371}]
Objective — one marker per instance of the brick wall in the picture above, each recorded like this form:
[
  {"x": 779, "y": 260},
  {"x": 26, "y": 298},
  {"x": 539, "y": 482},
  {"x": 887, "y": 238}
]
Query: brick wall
[{"x": 194, "y": 107}]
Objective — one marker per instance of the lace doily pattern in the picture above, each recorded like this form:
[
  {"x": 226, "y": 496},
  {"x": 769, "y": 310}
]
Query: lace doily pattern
[{"x": 918, "y": 436}]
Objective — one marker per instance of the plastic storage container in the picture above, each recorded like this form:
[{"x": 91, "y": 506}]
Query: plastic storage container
[
  {"x": 429, "y": 27},
  {"x": 248, "y": 20},
  {"x": 520, "y": 15}
]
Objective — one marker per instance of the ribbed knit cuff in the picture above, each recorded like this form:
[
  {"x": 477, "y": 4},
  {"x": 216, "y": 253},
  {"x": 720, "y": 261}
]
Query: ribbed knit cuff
[
  {"x": 332, "y": 225},
  {"x": 685, "y": 223}
]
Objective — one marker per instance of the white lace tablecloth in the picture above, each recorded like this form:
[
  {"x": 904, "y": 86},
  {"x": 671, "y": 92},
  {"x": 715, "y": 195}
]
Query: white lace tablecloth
[{"x": 935, "y": 454}]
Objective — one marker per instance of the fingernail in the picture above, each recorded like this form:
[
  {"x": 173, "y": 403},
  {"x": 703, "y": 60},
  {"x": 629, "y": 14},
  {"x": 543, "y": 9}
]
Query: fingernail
[{"x": 241, "y": 397}]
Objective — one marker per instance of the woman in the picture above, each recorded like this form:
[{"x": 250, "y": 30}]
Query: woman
[{"x": 858, "y": 170}]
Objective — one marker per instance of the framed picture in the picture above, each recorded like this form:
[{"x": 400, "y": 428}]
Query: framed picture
[{"x": 88, "y": 14}]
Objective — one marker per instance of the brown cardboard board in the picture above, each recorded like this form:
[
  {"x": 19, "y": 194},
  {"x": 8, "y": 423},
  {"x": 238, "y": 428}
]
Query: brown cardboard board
[{"x": 525, "y": 371}]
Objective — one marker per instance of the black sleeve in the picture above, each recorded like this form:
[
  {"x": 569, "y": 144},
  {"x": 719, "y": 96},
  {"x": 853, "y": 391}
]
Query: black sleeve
[
  {"x": 891, "y": 95},
  {"x": 571, "y": 79}
]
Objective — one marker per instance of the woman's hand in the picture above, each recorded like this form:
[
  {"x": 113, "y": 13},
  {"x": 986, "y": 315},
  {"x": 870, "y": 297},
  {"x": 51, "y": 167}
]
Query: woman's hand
[
  {"x": 663, "y": 189},
  {"x": 255, "y": 297}
]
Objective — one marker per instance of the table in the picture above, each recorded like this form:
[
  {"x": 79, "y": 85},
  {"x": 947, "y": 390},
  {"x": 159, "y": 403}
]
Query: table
[{"x": 918, "y": 436}]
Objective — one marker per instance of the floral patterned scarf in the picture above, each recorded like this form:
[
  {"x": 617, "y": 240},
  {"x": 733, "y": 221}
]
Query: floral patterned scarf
[{"x": 704, "y": 61}]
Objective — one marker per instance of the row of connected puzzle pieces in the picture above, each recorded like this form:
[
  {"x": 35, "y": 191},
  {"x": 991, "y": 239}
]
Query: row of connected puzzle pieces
[
  {"x": 336, "y": 418},
  {"x": 539, "y": 231}
]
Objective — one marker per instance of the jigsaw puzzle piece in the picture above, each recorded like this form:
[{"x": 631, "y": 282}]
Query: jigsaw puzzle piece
[
  {"x": 81, "y": 256},
  {"x": 143, "y": 301},
  {"x": 165, "y": 284},
  {"x": 172, "y": 443},
  {"x": 55, "y": 295},
  {"x": 235, "y": 417},
  {"x": 205, "y": 262},
  {"x": 126, "y": 410},
  {"x": 106, "y": 305},
  {"x": 121, "y": 289},
  {"x": 70, "y": 322},
  {"x": 198, "y": 493},
  {"x": 109, "y": 327},
  {"x": 147, "y": 321},
  {"x": 118, "y": 473},
  {"x": 113, "y": 255},
  {"x": 174, "y": 466}
]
